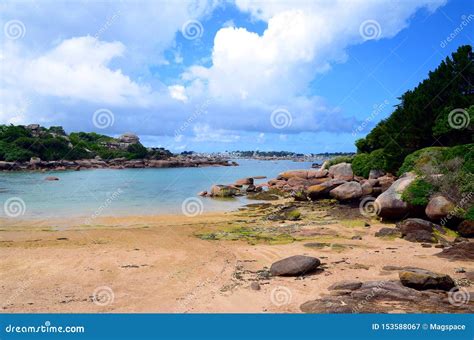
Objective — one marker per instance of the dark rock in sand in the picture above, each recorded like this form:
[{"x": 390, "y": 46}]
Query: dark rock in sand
[
  {"x": 255, "y": 286},
  {"x": 466, "y": 229},
  {"x": 463, "y": 251},
  {"x": 421, "y": 279},
  {"x": 295, "y": 266},
  {"x": 418, "y": 230},
  {"x": 345, "y": 285},
  {"x": 388, "y": 232}
]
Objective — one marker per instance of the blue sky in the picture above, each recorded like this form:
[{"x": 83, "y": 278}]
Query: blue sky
[{"x": 305, "y": 76}]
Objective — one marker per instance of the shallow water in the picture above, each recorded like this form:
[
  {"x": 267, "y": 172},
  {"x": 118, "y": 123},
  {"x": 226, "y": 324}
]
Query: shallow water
[{"x": 109, "y": 192}]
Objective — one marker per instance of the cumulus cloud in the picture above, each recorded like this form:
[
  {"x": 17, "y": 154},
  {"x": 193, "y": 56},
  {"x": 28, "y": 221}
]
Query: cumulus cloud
[{"x": 258, "y": 73}]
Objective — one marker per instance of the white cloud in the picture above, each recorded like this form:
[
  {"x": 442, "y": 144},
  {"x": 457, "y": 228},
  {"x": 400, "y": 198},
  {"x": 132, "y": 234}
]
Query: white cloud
[
  {"x": 204, "y": 133},
  {"x": 255, "y": 73},
  {"x": 178, "y": 92},
  {"x": 78, "y": 69}
]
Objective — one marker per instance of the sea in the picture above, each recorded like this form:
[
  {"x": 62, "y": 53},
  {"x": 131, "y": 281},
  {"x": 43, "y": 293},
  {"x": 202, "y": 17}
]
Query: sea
[{"x": 109, "y": 192}]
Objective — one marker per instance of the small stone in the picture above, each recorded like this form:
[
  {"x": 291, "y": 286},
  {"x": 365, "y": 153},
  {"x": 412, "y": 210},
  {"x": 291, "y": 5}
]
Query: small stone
[
  {"x": 357, "y": 237},
  {"x": 426, "y": 245},
  {"x": 255, "y": 286},
  {"x": 366, "y": 224}
]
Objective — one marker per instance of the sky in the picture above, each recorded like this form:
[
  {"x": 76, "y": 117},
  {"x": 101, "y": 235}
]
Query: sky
[{"x": 302, "y": 76}]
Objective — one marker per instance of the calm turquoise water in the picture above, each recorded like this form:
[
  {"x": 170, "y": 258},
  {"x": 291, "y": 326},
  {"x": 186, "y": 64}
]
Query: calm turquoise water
[{"x": 126, "y": 192}]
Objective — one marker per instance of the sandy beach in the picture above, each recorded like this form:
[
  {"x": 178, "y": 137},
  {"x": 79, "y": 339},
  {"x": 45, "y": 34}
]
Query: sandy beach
[{"x": 182, "y": 264}]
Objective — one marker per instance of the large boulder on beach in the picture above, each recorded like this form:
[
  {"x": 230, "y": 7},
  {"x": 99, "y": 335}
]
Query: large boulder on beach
[
  {"x": 347, "y": 191},
  {"x": 295, "y": 266},
  {"x": 390, "y": 204},
  {"x": 422, "y": 279},
  {"x": 220, "y": 190},
  {"x": 341, "y": 171},
  {"x": 323, "y": 189},
  {"x": 439, "y": 207}
]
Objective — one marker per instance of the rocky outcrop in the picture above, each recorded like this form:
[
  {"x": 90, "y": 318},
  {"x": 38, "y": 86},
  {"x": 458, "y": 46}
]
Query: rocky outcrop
[
  {"x": 463, "y": 251},
  {"x": 390, "y": 204},
  {"x": 422, "y": 279},
  {"x": 115, "y": 163},
  {"x": 347, "y": 191},
  {"x": 341, "y": 171},
  {"x": 438, "y": 208},
  {"x": 384, "y": 297},
  {"x": 295, "y": 266}
]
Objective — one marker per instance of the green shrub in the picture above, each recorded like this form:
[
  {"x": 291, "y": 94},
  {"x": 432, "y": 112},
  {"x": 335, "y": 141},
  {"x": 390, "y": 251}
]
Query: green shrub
[
  {"x": 470, "y": 214},
  {"x": 363, "y": 163},
  {"x": 339, "y": 159},
  {"x": 418, "y": 192}
]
